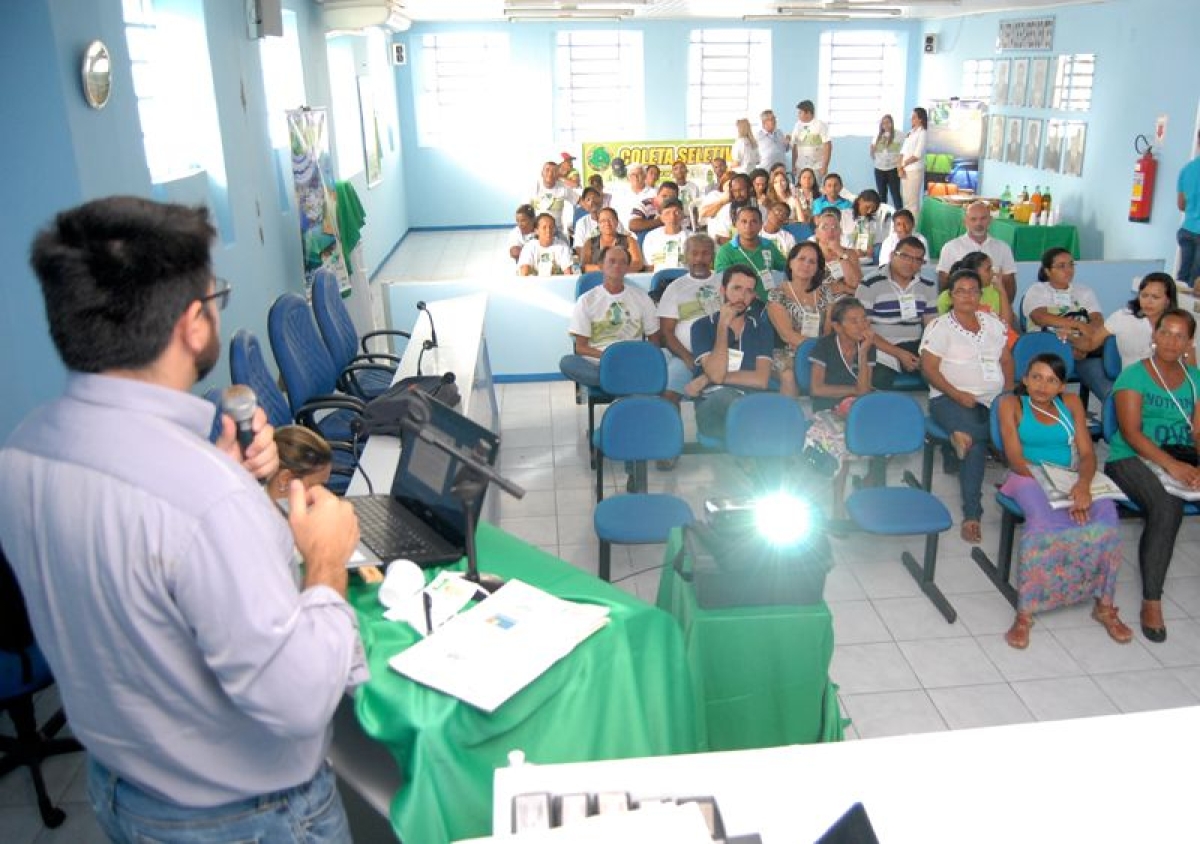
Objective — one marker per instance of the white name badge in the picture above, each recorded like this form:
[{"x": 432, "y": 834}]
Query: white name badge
[
  {"x": 908, "y": 306},
  {"x": 735, "y": 360},
  {"x": 991, "y": 370},
  {"x": 810, "y": 324},
  {"x": 1062, "y": 299}
]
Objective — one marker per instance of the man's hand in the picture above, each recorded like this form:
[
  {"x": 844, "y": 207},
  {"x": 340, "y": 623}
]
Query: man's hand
[
  {"x": 262, "y": 457},
  {"x": 325, "y": 530},
  {"x": 911, "y": 363},
  {"x": 729, "y": 312}
]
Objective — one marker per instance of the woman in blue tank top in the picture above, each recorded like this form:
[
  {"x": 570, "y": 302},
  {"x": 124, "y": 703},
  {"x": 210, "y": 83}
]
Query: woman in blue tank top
[{"x": 1066, "y": 555}]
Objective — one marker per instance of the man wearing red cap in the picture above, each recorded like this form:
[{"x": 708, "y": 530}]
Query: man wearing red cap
[{"x": 567, "y": 172}]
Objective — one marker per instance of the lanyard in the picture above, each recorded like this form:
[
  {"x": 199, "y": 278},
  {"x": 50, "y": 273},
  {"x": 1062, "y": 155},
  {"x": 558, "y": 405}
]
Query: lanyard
[
  {"x": 1058, "y": 417},
  {"x": 1170, "y": 393},
  {"x": 851, "y": 368}
]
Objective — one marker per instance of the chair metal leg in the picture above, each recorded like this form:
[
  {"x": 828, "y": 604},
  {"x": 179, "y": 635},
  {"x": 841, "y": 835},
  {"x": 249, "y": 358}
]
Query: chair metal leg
[
  {"x": 599, "y": 464},
  {"x": 924, "y": 577},
  {"x": 927, "y": 455},
  {"x": 30, "y": 747},
  {"x": 605, "y": 570},
  {"x": 1000, "y": 571},
  {"x": 591, "y": 432}
]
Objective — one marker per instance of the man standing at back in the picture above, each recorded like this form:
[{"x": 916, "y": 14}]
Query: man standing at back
[
  {"x": 811, "y": 144},
  {"x": 773, "y": 145},
  {"x": 604, "y": 315},
  {"x": 154, "y": 566},
  {"x": 1188, "y": 236},
  {"x": 978, "y": 218}
]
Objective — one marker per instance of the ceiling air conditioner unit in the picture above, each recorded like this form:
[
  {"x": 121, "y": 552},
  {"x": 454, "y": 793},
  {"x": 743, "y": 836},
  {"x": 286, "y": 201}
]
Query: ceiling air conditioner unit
[{"x": 357, "y": 15}]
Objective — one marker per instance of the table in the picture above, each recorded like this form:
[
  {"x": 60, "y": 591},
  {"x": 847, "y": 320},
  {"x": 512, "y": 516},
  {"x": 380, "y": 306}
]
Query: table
[
  {"x": 941, "y": 221},
  {"x": 1028, "y": 782},
  {"x": 624, "y": 692},
  {"x": 760, "y": 673}
]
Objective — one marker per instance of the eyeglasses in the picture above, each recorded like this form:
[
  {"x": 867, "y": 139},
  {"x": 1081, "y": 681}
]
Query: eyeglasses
[
  {"x": 916, "y": 259},
  {"x": 1067, "y": 266},
  {"x": 220, "y": 294}
]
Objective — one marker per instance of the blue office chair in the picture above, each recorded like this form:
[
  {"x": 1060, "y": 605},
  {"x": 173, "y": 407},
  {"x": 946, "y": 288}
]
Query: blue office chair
[
  {"x": 247, "y": 366},
  {"x": 1040, "y": 342},
  {"x": 662, "y": 279},
  {"x": 1112, "y": 357},
  {"x": 627, "y": 368},
  {"x": 587, "y": 281},
  {"x": 803, "y": 366},
  {"x": 367, "y": 374},
  {"x": 766, "y": 430},
  {"x": 23, "y": 675},
  {"x": 308, "y": 372},
  {"x": 637, "y": 429},
  {"x": 882, "y": 425},
  {"x": 800, "y": 231}
]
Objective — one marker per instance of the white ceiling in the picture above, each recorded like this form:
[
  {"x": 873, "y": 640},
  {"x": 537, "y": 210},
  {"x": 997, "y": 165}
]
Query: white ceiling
[{"x": 481, "y": 10}]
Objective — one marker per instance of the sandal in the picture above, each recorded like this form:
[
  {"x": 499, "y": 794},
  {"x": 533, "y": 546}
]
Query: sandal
[
  {"x": 1106, "y": 614},
  {"x": 971, "y": 531},
  {"x": 1018, "y": 635}
]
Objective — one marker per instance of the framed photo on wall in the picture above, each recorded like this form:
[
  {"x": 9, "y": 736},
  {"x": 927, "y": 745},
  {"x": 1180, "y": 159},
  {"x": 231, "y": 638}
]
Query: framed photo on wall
[
  {"x": 1039, "y": 72},
  {"x": 995, "y": 146},
  {"x": 1074, "y": 146},
  {"x": 1000, "y": 83},
  {"x": 1020, "y": 77},
  {"x": 1013, "y": 148},
  {"x": 1052, "y": 157},
  {"x": 1033, "y": 142}
]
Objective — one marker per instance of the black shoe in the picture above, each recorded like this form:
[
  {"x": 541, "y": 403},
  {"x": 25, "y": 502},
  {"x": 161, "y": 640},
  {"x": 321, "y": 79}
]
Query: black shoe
[{"x": 1158, "y": 635}]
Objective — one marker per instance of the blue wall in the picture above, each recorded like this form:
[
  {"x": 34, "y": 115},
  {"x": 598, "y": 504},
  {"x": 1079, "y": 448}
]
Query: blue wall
[
  {"x": 1145, "y": 57},
  {"x": 61, "y": 152},
  {"x": 501, "y": 157}
]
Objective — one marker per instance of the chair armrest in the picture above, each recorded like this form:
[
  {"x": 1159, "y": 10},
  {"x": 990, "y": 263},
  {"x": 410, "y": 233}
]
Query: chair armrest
[
  {"x": 384, "y": 332},
  {"x": 348, "y": 380},
  {"x": 307, "y": 414}
]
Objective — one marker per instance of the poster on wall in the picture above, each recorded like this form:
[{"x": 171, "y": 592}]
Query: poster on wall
[
  {"x": 1074, "y": 146},
  {"x": 955, "y": 142},
  {"x": 372, "y": 148},
  {"x": 316, "y": 199},
  {"x": 608, "y": 159},
  {"x": 1000, "y": 83},
  {"x": 995, "y": 147},
  {"x": 1013, "y": 149},
  {"x": 1020, "y": 77}
]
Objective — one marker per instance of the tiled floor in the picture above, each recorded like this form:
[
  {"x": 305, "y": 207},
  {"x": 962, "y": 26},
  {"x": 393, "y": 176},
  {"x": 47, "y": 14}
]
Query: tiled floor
[{"x": 900, "y": 667}]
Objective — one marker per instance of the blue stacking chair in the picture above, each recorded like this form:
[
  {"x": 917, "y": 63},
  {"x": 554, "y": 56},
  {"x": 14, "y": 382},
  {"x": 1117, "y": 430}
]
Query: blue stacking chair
[
  {"x": 587, "y": 281},
  {"x": 803, "y": 366},
  {"x": 1011, "y": 514},
  {"x": 1112, "y": 357},
  {"x": 800, "y": 231},
  {"x": 766, "y": 430},
  {"x": 662, "y": 279},
  {"x": 627, "y": 368},
  {"x": 638, "y": 429},
  {"x": 882, "y": 425},
  {"x": 366, "y": 374},
  {"x": 1040, "y": 342},
  {"x": 23, "y": 675}
]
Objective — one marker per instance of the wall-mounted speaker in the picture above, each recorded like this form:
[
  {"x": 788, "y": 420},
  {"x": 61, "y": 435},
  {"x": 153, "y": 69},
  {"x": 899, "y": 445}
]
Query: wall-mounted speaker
[{"x": 931, "y": 43}]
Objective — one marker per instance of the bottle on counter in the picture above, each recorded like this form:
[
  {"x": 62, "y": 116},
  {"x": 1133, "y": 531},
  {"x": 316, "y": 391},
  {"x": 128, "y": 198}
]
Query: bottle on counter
[
  {"x": 1024, "y": 193},
  {"x": 1046, "y": 205},
  {"x": 1036, "y": 200},
  {"x": 1006, "y": 203}
]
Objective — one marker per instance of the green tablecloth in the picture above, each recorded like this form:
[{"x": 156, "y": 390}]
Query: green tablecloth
[
  {"x": 761, "y": 673},
  {"x": 624, "y": 692},
  {"x": 942, "y": 221}
]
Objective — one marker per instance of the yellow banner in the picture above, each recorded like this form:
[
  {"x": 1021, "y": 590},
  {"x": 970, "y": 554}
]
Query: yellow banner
[{"x": 598, "y": 157}]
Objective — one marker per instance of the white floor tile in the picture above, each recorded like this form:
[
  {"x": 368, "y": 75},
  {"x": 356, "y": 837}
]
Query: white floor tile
[
  {"x": 892, "y": 714},
  {"x": 916, "y": 618},
  {"x": 1059, "y": 698},
  {"x": 949, "y": 662},
  {"x": 990, "y": 705},
  {"x": 880, "y": 667},
  {"x": 1138, "y": 691},
  {"x": 857, "y": 622},
  {"x": 1044, "y": 657},
  {"x": 1098, "y": 655}
]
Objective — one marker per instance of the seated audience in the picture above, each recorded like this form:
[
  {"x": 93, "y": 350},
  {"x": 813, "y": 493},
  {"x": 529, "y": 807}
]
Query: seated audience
[
  {"x": 632, "y": 194},
  {"x": 723, "y": 212},
  {"x": 733, "y": 349},
  {"x": 831, "y": 195},
  {"x": 747, "y": 247},
  {"x": 1071, "y": 311},
  {"x": 303, "y": 456},
  {"x": 806, "y": 194},
  {"x": 686, "y": 299},
  {"x": 992, "y": 298},
  {"x": 781, "y": 192},
  {"x": 965, "y": 359},
  {"x": 653, "y": 174},
  {"x": 843, "y": 270},
  {"x": 760, "y": 184},
  {"x": 903, "y": 226},
  {"x": 1067, "y": 555},
  {"x": 1133, "y": 325},
  {"x": 864, "y": 225},
  {"x": 524, "y": 231},
  {"x": 978, "y": 218},
  {"x": 591, "y": 200},
  {"x": 1158, "y": 424},
  {"x": 552, "y": 196},
  {"x": 607, "y": 313},
  {"x": 777, "y": 216},
  {"x": 608, "y": 234},
  {"x": 900, "y": 304},
  {"x": 663, "y": 247},
  {"x": 689, "y": 191},
  {"x": 596, "y": 181},
  {"x": 797, "y": 306},
  {"x": 567, "y": 173},
  {"x": 548, "y": 255},
  {"x": 645, "y": 216}
]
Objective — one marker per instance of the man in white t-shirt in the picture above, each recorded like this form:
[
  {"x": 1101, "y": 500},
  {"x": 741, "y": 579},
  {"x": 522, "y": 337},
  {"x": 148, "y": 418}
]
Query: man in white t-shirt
[
  {"x": 687, "y": 299},
  {"x": 663, "y": 247},
  {"x": 592, "y": 201},
  {"x": 738, "y": 194},
  {"x": 776, "y": 218},
  {"x": 773, "y": 144},
  {"x": 689, "y": 191},
  {"x": 552, "y": 196},
  {"x": 646, "y": 216},
  {"x": 902, "y": 227},
  {"x": 810, "y": 140},
  {"x": 606, "y": 314},
  {"x": 978, "y": 218},
  {"x": 633, "y": 194}
]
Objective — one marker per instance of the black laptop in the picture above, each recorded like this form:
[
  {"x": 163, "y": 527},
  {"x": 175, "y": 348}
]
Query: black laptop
[{"x": 422, "y": 520}]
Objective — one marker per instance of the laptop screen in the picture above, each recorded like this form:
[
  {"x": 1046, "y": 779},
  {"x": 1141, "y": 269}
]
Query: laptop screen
[{"x": 426, "y": 475}]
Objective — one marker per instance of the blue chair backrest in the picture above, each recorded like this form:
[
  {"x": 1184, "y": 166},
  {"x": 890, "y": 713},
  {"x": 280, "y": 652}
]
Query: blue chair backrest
[
  {"x": 804, "y": 366},
  {"x": 1108, "y": 418},
  {"x": 337, "y": 328},
  {"x": 300, "y": 353},
  {"x": 994, "y": 423},
  {"x": 661, "y": 278},
  {"x": 885, "y": 423},
  {"x": 641, "y": 428},
  {"x": 587, "y": 281},
  {"x": 1036, "y": 343},
  {"x": 247, "y": 366},
  {"x": 800, "y": 231},
  {"x": 213, "y": 394},
  {"x": 1019, "y": 313},
  {"x": 580, "y": 212},
  {"x": 1112, "y": 357},
  {"x": 641, "y": 236},
  {"x": 765, "y": 425},
  {"x": 632, "y": 367}
]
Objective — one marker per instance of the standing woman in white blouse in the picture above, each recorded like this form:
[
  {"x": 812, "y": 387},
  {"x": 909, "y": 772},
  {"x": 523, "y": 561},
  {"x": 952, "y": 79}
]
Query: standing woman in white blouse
[
  {"x": 912, "y": 161},
  {"x": 745, "y": 148}
]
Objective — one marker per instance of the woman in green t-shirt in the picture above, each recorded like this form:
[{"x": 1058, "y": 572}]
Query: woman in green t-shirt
[{"x": 1157, "y": 414}]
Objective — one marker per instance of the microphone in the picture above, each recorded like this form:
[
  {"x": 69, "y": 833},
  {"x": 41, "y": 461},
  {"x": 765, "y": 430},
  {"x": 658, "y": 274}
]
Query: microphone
[
  {"x": 239, "y": 403},
  {"x": 432, "y": 342}
]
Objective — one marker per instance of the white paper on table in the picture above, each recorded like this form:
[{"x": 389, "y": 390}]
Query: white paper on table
[{"x": 681, "y": 823}]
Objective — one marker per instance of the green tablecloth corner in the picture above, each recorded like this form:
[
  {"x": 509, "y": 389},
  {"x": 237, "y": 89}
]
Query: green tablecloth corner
[
  {"x": 760, "y": 673},
  {"x": 942, "y": 221},
  {"x": 352, "y": 216},
  {"x": 624, "y": 692}
]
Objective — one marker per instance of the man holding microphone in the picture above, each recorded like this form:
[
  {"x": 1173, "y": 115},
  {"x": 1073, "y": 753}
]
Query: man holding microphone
[{"x": 154, "y": 567}]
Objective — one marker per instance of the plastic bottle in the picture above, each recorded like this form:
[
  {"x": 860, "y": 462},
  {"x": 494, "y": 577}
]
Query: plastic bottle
[
  {"x": 1036, "y": 200},
  {"x": 1024, "y": 193},
  {"x": 1006, "y": 203},
  {"x": 1046, "y": 206}
]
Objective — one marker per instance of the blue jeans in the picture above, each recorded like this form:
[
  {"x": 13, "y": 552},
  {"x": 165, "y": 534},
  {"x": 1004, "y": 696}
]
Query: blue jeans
[
  {"x": 972, "y": 421},
  {"x": 311, "y": 812},
  {"x": 1189, "y": 256},
  {"x": 581, "y": 370},
  {"x": 1091, "y": 375}
]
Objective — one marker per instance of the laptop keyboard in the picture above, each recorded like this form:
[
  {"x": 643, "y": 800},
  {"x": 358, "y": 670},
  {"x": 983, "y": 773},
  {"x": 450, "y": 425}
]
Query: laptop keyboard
[{"x": 383, "y": 530}]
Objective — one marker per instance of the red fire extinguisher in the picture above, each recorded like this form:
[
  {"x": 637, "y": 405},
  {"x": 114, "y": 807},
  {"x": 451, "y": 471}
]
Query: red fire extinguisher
[{"x": 1144, "y": 171}]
